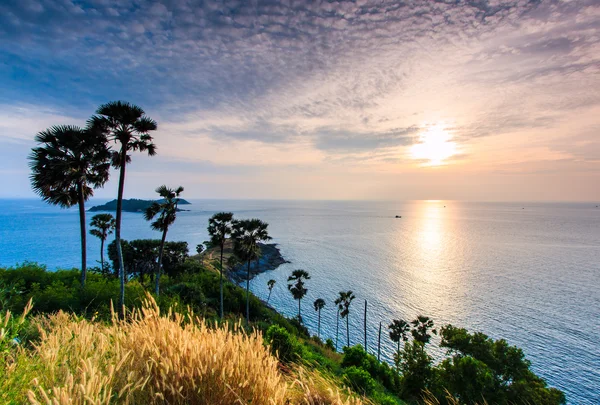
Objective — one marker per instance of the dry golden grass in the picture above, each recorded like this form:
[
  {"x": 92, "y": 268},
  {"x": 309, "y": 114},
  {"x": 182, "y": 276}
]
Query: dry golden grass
[{"x": 150, "y": 358}]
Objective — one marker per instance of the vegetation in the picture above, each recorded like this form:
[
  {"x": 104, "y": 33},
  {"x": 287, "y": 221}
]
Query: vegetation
[
  {"x": 69, "y": 163},
  {"x": 166, "y": 210},
  {"x": 478, "y": 367},
  {"x": 153, "y": 358}
]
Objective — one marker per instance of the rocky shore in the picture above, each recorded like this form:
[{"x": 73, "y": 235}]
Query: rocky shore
[{"x": 270, "y": 259}]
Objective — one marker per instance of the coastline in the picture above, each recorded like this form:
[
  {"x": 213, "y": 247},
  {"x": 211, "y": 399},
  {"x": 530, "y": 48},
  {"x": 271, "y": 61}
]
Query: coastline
[{"x": 270, "y": 259}]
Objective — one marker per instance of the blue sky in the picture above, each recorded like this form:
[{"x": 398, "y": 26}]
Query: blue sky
[{"x": 291, "y": 99}]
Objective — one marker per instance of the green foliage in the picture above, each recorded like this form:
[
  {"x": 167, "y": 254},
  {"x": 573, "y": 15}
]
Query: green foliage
[
  {"x": 415, "y": 366},
  {"x": 141, "y": 255},
  {"x": 481, "y": 366},
  {"x": 360, "y": 380},
  {"x": 356, "y": 356},
  {"x": 283, "y": 344}
]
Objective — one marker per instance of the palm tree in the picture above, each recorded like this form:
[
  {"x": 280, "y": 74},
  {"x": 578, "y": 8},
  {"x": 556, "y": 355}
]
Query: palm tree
[
  {"x": 69, "y": 163},
  {"x": 166, "y": 209},
  {"x": 103, "y": 225},
  {"x": 127, "y": 125},
  {"x": 399, "y": 329},
  {"x": 297, "y": 289},
  {"x": 343, "y": 302},
  {"x": 319, "y": 304},
  {"x": 270, "y": 284},
  {"x": 247, "y": 234},
  {"x": 219, "y": 228},
  {"x": 421, "y": 327}
]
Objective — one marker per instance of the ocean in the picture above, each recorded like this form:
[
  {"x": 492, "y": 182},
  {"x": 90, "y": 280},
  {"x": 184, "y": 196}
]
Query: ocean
[{"x": 525, "y": 272}]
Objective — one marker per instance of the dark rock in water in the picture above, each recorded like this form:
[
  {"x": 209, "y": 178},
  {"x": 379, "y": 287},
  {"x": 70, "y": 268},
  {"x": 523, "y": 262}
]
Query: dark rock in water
[
  {"x": 270, "y": 259},
  {"x": 132, "y": 205}
]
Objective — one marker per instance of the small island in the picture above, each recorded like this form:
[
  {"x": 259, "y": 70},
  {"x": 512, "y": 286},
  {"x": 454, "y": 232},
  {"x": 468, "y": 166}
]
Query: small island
[{"x": 132, "y": 205}]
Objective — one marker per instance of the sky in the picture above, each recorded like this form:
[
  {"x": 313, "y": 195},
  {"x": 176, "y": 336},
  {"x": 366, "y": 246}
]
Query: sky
[{"x": 377, "y": 100}]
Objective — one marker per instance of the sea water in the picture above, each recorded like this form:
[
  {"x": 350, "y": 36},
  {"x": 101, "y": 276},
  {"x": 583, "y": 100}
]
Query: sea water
[{"x": 525, "y": 272}]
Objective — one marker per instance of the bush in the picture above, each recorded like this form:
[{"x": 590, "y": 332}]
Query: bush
[
  {"x": 284, "y": 345},
  {"x": 357, "y": 356},
  {"x": 360, "y": 380}
]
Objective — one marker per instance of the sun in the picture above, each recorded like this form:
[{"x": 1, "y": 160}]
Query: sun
[{"x": 435, "y": 146}]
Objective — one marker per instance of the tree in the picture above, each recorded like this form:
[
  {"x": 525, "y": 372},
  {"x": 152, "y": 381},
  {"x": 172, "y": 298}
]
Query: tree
[
  {"x": 270, "y": 285},
  {"x": 66, "y": 168},
  {"x": 219, "y": 228},
  {"x": 297, "y": 288},
  {"x": 319, "y": 304},
  {"x": 492, "y": 369},
  {"x": 127, "y": 125},
  {"x": 103, "y": 225},
  {"x": 399, "y": 329},
  {"x": 247, "y": 234},
  {"x": 166, "y": 210},
  {"x": 344, "y": 300},
  {"x": 421, "y": 327}
]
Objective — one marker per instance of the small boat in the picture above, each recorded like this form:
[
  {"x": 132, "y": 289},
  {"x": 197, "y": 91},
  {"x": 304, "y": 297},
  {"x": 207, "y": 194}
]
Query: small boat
[{"x": 398, "y": 216}]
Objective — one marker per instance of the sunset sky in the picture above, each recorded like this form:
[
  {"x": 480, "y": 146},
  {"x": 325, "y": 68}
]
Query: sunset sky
[{"x": 483, "y": 101}]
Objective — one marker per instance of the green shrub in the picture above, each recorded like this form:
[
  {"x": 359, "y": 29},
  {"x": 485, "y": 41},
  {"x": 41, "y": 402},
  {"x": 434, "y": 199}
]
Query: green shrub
[
  {"x": 360, "y": 380},
  {"x": 284, "y": 345}
]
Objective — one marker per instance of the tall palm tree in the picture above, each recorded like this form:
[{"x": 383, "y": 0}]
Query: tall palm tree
[
  {"x": 421, "y": 327},
  {"x": 69, "y": 163},
  {"x": 247, "y": 234},
  {"x": 399, "y": 329},
  {"x": 102, "y": 226},
  {"x": 319, "y": 304},
  {"x": 166, "y": 209},
  {"x": 270, "y": 285},
  {"x": 219, "y": 228},
  {"x": 297, "y": 288},
  {"x": 128, "y": 127},
  {"x": 344, "y": 301}
]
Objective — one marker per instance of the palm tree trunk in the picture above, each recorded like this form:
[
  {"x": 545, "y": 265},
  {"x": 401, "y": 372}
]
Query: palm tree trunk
[
  {"x": 248, "y": 294},
  {"x": 319, "y": 325},
  {"x": 269, "y": 297},
  {"x": 123, "y": 161},
  {"x": 379, "y": 344},
  {"x": 299, "y": 314},
  {"x": 348, "y": 330},
  {"x": 159, "y": 264},
  {"x": 102, "y": 254},
  {"x": 83, "y": 234},
  {"x": 337, "y": 328},
  {"x": 365, "y": 328},
  {"x": 221, "y": 283}
]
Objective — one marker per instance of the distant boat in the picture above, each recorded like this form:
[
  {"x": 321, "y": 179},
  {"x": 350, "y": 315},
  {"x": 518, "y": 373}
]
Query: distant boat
[{"x": 398, "y": 216}]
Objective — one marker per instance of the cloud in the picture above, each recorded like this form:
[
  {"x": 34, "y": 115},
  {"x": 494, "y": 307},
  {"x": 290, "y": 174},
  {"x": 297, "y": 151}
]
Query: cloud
[{"x": 310, "y": 82}]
